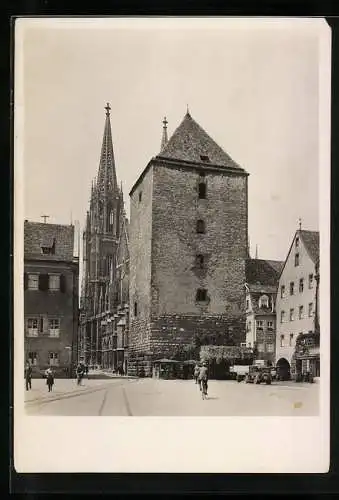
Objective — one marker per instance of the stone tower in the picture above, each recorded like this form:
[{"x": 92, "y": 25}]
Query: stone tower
[
  {"x": 188, "y": 245},
  {"x": 100, "y": 242}
]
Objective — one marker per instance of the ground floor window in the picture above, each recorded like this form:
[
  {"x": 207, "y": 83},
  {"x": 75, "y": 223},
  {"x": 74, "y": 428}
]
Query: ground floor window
[
  {"x": 53, "y": 359},
  {"x": 33, "y": 358}
]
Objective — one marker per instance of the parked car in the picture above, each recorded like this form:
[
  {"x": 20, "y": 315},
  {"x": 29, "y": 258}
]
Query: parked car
[{"x": 258, "y": 375}]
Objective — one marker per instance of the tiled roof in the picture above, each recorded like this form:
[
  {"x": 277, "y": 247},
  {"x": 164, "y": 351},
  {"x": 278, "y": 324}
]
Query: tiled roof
[
  {"x": 311, "y": 242},
  {"x": 263, "y": 273},
  {"x": 191, "y": 143},
  {"x": 38, "y": 235}
]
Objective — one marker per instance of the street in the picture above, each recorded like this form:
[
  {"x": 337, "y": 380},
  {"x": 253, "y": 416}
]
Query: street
[{"x": 153, "y": 397}]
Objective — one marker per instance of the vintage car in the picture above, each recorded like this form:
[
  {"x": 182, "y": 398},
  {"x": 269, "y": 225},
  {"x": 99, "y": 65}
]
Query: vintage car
[{"x": 258, "y": 375}]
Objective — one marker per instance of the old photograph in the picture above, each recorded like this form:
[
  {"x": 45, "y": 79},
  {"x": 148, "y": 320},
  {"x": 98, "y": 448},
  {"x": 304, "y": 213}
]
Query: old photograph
[{"x": 170, "y": 229}]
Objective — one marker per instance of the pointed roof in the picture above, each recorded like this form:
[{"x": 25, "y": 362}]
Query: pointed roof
[
  {"x": 191, "y": 143},
  {"x": 311, "y": 242},
  {"x": 263, "y": 272},
  {"x": 107, "y": 179}
]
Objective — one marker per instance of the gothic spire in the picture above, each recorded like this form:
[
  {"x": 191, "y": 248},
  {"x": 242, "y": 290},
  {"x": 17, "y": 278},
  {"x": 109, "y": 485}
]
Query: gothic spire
[
  {"x": 164, "y": 139},
  {"x": 107, "y": 179}
]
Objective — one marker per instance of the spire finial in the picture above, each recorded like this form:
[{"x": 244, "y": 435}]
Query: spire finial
[
  {"x": 299, "y": 223},
  {"x": 164, "y": 139},
  {"x": 108, "y": 109},
  {"x": 187, "y": 109},
  {"x": 256, "y": 251}
]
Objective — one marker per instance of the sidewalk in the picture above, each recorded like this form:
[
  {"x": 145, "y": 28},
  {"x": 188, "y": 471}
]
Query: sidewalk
[{"x": 61, "y": 387}]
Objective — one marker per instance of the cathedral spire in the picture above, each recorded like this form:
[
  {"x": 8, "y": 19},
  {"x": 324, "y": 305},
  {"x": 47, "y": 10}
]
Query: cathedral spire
[
  {"x": 107, "y": 179},
  {"x": 164, "y": 139}
]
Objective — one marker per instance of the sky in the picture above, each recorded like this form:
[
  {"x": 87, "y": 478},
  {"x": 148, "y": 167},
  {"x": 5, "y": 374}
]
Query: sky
[{"x": 253, "y": 87}]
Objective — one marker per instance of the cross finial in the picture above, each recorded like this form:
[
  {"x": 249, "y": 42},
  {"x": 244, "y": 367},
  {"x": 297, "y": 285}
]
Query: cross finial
[
  {"x": 108, "y": 109},
  {"x": 299, "y": 223},
  {"x": 165, "y": 122},
  {"x": 44, "y": 217}
]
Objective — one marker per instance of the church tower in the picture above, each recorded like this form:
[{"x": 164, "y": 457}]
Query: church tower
[
  {"x": 100, "y": 242},
  {"x": 188, "y": 245}
]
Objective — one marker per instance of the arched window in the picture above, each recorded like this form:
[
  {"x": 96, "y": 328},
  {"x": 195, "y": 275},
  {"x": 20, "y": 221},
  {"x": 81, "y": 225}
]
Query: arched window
[
  {"x": 202, "y": 190},
  {"x": 264, "y": 301},
  {"x": 200, "y": 226}
]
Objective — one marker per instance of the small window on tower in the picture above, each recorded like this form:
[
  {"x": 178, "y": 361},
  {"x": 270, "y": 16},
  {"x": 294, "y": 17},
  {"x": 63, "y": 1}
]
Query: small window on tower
[
  {"x": 200, "y": 226},
  {"x": 205, "y": 158},
  {"x": 140, "y": 196},
  {"x": 202, "y": 190},
  {"x": 135, "y": 309},
  {"x": 201, "y": 295}
]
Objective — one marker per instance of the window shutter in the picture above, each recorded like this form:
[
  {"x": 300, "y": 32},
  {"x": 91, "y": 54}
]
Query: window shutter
[
  {"x": 43, "y": 282},
  {"x": 25, "y": 281},
  {"x": 62, "y": 283},
  {"x": 41, "y": 325}
]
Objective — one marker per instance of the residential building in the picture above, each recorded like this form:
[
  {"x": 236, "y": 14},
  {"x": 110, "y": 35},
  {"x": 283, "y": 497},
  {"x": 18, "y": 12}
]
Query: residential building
[
  {"x": 297, "y": 307},
  {"x": 262, "y": 277},
  {"x": 187, "y": 244},
  {"x": 104, "y": 224},
  {"x": 50, "y": 297}
]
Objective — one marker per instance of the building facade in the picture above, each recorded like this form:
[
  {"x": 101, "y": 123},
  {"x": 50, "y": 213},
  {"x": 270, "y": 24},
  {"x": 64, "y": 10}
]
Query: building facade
[
  {"x": 188, "y": 246},
  {"x": 50, "y": 297},
  {"x": 297, "y": 340},
  {"x": 104, "y": 226},
  {"x": 262, "y": 278}
]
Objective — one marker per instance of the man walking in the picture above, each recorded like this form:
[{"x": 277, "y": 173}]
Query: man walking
[
  {"x": 203, "y": 378},
  {"x": 28, "y": 376},
  {"x": 50, "y": 378}
]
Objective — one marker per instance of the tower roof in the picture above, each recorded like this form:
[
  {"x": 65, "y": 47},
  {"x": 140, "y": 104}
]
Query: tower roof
[
  {"x": 191, "y": 143},
  {"x": 107, "y": 179}
]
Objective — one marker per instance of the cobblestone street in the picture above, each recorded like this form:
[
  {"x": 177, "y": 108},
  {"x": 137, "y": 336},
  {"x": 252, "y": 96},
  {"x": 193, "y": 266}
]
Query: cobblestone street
[{"x": 151, "y": 397}]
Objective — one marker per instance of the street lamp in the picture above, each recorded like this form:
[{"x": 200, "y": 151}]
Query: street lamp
[{"x": 69, "y": 349}]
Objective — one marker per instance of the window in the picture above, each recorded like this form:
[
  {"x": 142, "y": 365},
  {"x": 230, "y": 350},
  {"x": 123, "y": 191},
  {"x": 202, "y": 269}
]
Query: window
[
  {"x": 301, "y": 285},
  {"x": 270, "y": 347},
  {"x": 204, "y": 158},
  {"x": 291, "y": 339},
  {"x": 54, "y": 327},
  {"x": 259, "y": 323},
  {"x": 310, "y": 281},
  {"x": 242, "y": 344},
  {"x": 297, "y": 241},
  {"x": 310, "y": 309},
  {"x": 140, "y": 196},
  {"x": 301, "y": 312},
  {"x": 201, "y": 295},
  {"x": 263, "y": 301},
  {"x": 282, "y": 291},
  {"x": 54, "y": 282},
  {"x": 281, "y": 341},
  {"x": 200, "y": 226},
  {"x": 202, "y": 190},
  {"x": 261, "y": 347},
  {"x": 32, "y": 358},
  {"x": 33, "y": 282},
  {"x": 48, "y": 250},
  {"x": 270, "y": 324},
  {"x": 296, "y": 260},
  {"x": 53, "y": 359},
  {"x": 32, "y": 327},
  {"x": 282, "y": 317},
  {"x": 292, "y": 288},
  {"x": 200, "y": 261},
  {"x": 202, "y": 174},
  {"x": 247, "y": 304},
  {"x": 135, "y": 309},
  {"x": 291, "y": 314}
]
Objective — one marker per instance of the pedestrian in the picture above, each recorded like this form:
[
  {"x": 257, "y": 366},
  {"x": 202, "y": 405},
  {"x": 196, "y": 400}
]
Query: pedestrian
[
  {"x": 196, "y": 373},
  {"x": 28, "y": 376},
  {"x": 49, "y": 378},
  {"x": 203, "y": 377},
  {"x": 79, "y": 373},
  {"x": 86, "y": 370}
]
